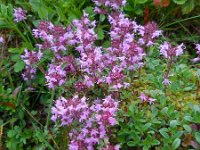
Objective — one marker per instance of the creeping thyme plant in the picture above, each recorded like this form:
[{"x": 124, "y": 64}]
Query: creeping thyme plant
[{"x": 112, "y": 92}]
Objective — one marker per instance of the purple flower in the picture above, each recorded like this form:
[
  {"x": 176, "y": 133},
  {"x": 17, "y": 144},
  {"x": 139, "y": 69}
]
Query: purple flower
[
  {"x": 114, "y": 4},
  {"x": 31, "y": 58},
  {"x": 151, "y": 100},
  {"x": 29, "y": 73},
  {"x": 168, "y": 51},
  {"x": 157, "y": 33},
  {"x": 179, "y": 49},
  {"x": 56, "y": 38},
  {"x": 198, "y": 47},
  {"x": 1, "y": 40},
  {"x": 55, "y": 76},
  {"x": 197, "y": 59},
  {"x": 145, "y": 98},
  {"x": 19, "y": 14},
  {"x": 166, "y": 81},
  {"x": 93, "y": 120}
]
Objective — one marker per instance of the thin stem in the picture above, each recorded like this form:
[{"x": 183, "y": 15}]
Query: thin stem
[
  {"x": 139, "y": 73},
  {"x": 11, "y": 81},
  {"x": 49, "y": 109},
  {"x": 197, "y": 91},
  {"x": 131, "y": 74},
  {"x": 167, "y": 74}
]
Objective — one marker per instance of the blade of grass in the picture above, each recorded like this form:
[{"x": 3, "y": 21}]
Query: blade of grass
[{"x": 178, "y": 21}]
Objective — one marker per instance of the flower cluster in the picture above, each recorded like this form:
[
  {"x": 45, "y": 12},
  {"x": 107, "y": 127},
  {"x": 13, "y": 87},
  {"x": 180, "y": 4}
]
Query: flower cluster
[
  {"x": 19, "y": 14},
  {"x": 197, "y": 59},
  {"x": 151, "y": 32},
  {"x": 93, "y": 120},
  {"x": 56, "y": 76},
  {"x": 125, "y": 52},
  {"x": 114, "y": 4},
  {"x": 30, "y": 58},
  {"x": 168, "y": 51},
  {"x": 145, "y": 98},
  {"x": 55, "y": 38},
  {"x": 124, "y": 46},
  {"x": 96, "y": 65}
]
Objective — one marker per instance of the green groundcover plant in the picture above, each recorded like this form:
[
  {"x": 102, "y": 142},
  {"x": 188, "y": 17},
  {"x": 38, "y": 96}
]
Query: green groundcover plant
[{"x": 95, "y": 80}]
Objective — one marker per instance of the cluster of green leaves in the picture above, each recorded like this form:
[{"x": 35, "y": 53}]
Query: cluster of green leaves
[
  {"x": 167, "y": 124},
  {"x": 150, "y": 126}
]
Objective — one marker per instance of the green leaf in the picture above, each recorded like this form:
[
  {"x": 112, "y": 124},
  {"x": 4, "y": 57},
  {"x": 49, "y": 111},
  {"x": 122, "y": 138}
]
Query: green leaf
[
  {"x": 106, "y": 44},
  {"x": 197, "y": 137},
  {"x": 61, "y": 16},
  {"x": 188, "y": 6},
  {"x": 176, "y": 143},
  {"x": 140, "y": 1},
  {"x": 36, "y": 22},
  {"x": 173, "y": 123},
  {"x": 43, "y": 12},
  {"x": 164, "y": 133},
  {"x": 131, "y": 143},
  {"x": 19, "y": 66},
  {"x": 100, "y": 33},
  {"x": 15, "y": 57},
  {"x": 146, "y": 126},
  {"x": 102, "y": 17},
  {"x": 179, "y": 2},
  {"x": 187, "y": 128},
  {"x": 16, "y": 50},
  {"x": 188, "y": 118},
  {"x": 39, "y": 7},
  {"x": 4, "y": 24},
  {"x": 155, "y": 142},
  {"x": 90, "y": 11}
]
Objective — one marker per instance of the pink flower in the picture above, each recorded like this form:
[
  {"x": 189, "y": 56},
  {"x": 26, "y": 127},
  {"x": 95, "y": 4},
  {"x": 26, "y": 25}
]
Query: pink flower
[
  {"x": 112, "y": 121},
  {"x": 157, "y": 33},
  {"x": 114, "y": 4},
  {"x": 197, "y": 59},
  {"x": 151, "y": 100},
  {"x": 55, "y": 76},
  {"x": 179, "y": 49},
  {"x": 198, "y": 48},
  {"x": 30, "y": 58},
  {"x": 19, "y": 14},
  {"x": 168, "y": 51},
  {"x": 1, "y": 40},
  {"x": 92, "y": 121},
  {"x": 166, "y": 81},
  {"x": 143, "y": 97}
]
